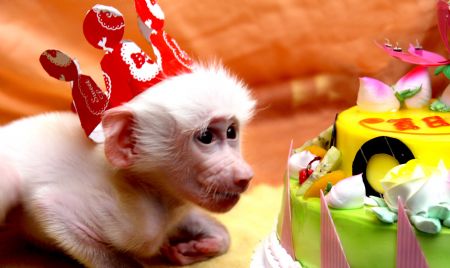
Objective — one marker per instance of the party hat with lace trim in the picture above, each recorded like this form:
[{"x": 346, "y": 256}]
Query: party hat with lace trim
[{"x": 127, "y": 70}]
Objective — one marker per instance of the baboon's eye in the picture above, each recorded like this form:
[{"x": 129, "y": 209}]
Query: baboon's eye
[
  {"x": 205, "y": 136},
  {"x": 231, "y": 132}
]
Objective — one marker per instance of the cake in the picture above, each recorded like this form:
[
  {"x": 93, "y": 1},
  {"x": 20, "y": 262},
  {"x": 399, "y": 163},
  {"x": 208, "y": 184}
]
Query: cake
[{"x": 373, "y": 190}]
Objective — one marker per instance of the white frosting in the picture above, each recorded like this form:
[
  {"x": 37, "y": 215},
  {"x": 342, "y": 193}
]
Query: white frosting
[
  {"x": 270, "y": 254},
  {"x": 348, "y": 193},
  {"x": 417, "y": 185},
  {"x": 299, "y": 161}
]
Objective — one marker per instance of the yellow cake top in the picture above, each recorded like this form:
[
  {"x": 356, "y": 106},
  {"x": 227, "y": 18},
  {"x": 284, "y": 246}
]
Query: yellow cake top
[
  {"x": 419, "y": 122},
  {"x": 375, "y": 142}
]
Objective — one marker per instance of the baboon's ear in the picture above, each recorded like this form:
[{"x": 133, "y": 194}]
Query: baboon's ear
[{"x": 119, "y": 143}]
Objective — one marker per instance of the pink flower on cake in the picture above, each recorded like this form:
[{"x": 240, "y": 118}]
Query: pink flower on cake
[
  {"x": 416, "y": 55},
  {"x": 376, "y": 96},
  {"x": 413, "y": 90}
]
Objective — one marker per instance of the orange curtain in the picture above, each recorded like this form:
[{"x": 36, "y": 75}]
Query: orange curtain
[{"x": 287, "y": 51}]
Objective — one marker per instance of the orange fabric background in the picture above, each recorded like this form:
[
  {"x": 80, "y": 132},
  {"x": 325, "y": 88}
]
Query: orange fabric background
[
  {"x": 268, "y": 43},
  {"x": 302, "y": 58},
  {"x": 298, "y": 56}
]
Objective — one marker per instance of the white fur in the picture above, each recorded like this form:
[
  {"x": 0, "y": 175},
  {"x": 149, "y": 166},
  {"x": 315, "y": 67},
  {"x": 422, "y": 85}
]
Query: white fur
[
  {"x": 74, "y": 199},
  {"x": 214, "y": 93}
]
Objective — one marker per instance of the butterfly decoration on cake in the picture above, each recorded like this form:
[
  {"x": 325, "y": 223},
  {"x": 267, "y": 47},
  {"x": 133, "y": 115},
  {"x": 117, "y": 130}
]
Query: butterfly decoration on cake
[{"x": 127, "y": 70}]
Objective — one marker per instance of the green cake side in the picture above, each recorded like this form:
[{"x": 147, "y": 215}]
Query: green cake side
[{"x": 366, "y": 241}]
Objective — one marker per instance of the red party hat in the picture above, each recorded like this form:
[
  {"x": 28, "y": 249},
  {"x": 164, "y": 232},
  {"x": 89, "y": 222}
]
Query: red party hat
[{"x": 127, "y": 70}]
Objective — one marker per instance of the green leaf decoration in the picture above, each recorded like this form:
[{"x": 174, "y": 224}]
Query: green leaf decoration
[
  {"x": 439, "y": 106},
  {"x": 328, "y": 188},
  {"x": 407, "y": 93},
  {"x": 439, "y": 69},
  {"x": 446, "y": 71}
]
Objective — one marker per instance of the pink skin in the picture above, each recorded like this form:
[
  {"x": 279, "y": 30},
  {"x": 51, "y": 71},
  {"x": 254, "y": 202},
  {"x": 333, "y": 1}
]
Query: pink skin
[
  {"x": 169, "y": 150},
  {"x": 213, "y": 176},
  {"x": 190, "y": 243},
  {"x": 91, "y": 208},
  {"x": 222, "y": 172}
]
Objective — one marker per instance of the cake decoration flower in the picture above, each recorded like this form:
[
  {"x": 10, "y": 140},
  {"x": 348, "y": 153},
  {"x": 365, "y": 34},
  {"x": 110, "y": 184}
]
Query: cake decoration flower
[
  {"x": 415, "y": 55},
  {"x": 413, "y": 90},
  {"x": 376, "y": 96},
  {"x": 425, "y": 191},
  {"x": 419, "y": 56}
]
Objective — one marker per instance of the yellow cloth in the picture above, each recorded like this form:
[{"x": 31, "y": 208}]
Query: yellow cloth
[{"x": 249, "y": 222}]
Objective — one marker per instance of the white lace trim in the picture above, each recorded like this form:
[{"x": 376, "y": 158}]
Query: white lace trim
[
  {"x": 179, "y": 54},
  {"x": 108, "y": 85},
  {"x": 147, "y": 71},
  {"x": 111, "y": 12}
]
